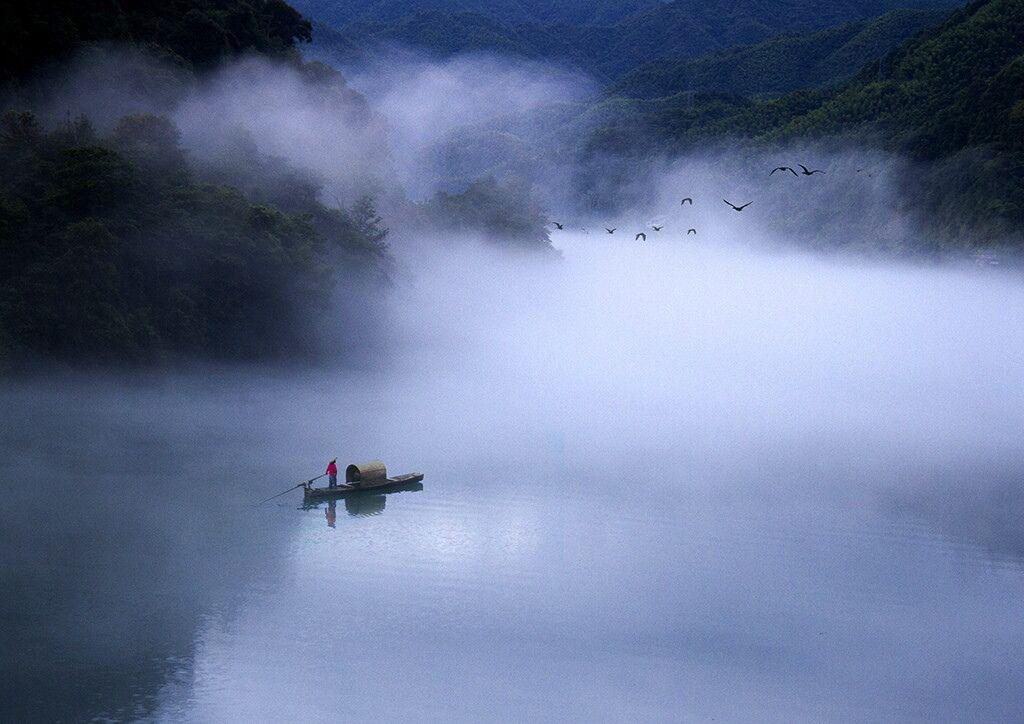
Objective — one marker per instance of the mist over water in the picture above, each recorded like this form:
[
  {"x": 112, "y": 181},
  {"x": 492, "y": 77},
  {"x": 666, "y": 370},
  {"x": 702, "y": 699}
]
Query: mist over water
[
  {"x": 681, "y": 476},
  {"x": 699, "y": 477}
]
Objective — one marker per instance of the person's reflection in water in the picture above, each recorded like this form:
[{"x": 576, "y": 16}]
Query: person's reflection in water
[{"x": 331, "y": 513}]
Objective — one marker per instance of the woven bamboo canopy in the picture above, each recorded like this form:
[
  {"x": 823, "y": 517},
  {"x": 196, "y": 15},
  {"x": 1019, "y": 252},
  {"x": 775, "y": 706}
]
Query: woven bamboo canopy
[{"x": 367, "y": 472}]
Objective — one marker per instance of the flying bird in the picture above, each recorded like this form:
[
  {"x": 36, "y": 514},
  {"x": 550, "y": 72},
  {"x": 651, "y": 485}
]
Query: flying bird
[
  {"x": 686, "y": 201},
  {"x": 640, "y": 236},
  {"x": 691, "y": 231},
  {"x": 809, "y": 172},
  {"x": 611, "y": 231},
  {"x": 783, "y": 168},
  {"x": 558, "y": 226},
  {"x": 658, "y": 228},
  {"x": 738, "y": 208}
]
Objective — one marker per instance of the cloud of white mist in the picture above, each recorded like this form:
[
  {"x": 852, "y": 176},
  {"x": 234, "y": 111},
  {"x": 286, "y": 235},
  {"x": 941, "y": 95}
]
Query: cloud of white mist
[
  {"x": 452, "y": 117},
  {"x": 305, "y": 116},
  {"x": 320, "y": 127},
  {"x": 105, "y": 83},
  {"x": 672, "y": 449},
  {"x": 427, "y": 125},
  {"x": 700, "y": 354},
  {"x": 854, "y": 205},
  {"x": 432, "y": 125}
]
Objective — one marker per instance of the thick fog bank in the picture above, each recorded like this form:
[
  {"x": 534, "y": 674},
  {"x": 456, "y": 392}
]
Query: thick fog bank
[
  {"x": 824, "y": 391},
  {"x": 402, "y": 128},
  {"x": 303, "y": 139},
  {"x": 452, "y": 121},
  {"x": 694, "y": 351},
  {"x": 720, "y": 356},
  {"x": 706, "y": 350}
]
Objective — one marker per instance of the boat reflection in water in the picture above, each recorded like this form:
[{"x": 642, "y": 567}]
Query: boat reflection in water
[
  {"x": 361, "y": 503},
  {"x": 365, "y": 505}
]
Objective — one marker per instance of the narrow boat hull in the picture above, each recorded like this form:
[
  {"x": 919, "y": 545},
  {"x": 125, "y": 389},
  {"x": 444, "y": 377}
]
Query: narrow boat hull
[{"x": 411, "y": 481}]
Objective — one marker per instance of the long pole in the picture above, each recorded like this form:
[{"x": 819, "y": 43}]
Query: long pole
[{"x": 304, "y": 482}]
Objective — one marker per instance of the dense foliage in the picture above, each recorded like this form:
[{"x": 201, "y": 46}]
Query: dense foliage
[
  {"x": 197, "y": 33},
  {"x": 516, "y": 11},
  {"x": 781, "y": 64},
  {"x": 605, "y": 45},
  {"x": 508, "y": 212},
  {"x": 951, "y": 99},
  {"x": 959, "y": 85},
  {"x": 954, "y": 98},
  {"x": 114, "y": 250},
  {"x": 123, "y": 246}
]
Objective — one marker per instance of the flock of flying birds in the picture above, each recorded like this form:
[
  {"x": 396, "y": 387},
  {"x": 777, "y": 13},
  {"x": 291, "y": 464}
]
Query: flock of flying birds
[{"x": 642, "y": 236}]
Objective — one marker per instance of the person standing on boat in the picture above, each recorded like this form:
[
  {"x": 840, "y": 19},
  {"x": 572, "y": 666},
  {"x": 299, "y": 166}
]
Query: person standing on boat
[{"x": 332, "y": 471}]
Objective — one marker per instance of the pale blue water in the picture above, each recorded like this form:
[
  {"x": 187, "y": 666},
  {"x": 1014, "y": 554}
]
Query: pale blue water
[{"x": 838, "y": 542}]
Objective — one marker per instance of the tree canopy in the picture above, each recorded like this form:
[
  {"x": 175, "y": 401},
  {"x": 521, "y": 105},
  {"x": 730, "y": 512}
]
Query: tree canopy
[{"x": 199, "y": 33}]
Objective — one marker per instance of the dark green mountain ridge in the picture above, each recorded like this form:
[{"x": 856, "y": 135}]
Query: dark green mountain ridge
[
  {"x": 119, "y": 245},
  {"x": 783, "y": 63},
  {"x": 651, "y": 33},
  {"x": 951, "y": 99}
]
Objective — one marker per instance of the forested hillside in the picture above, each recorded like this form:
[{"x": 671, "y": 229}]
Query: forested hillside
[
  {"x": 605, "y": 47},
  {"x": 119, "y": 244},
  {"x": 961, "y": 84},
  {"x": 199, "y": 33},
  {"x": 340, "y": 12},
  {"x": 114, "y": 250},
  {"x": 783, "y": 63},
  {"x": 940, "y": 88},
  {"x": 952, "y": 99}
]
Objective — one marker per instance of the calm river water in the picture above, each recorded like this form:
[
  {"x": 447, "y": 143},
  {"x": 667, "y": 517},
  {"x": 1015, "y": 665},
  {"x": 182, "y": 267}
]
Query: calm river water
[{"x": 686, "y": 486}]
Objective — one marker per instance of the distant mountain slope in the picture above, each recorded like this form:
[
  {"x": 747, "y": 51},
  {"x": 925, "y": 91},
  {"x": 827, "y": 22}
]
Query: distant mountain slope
[
  {"x": 339, "y": 13},
  {"x": 957, "y": 85},
  {"x": 688, "y": 29},
  {"x": 447, "y": 33},
  {"x": 128, "y": 240},
  {"x": 960, "y": 84},
  {"x": 783, "y": 63},
  {"x": 951, "y": 99},
  {"x": 603, "y": 46},
  {"x": 954, "y": 98}
]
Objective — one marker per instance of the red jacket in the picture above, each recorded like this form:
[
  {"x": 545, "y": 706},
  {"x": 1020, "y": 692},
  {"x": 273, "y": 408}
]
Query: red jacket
[{"x": 332, "y": 469}]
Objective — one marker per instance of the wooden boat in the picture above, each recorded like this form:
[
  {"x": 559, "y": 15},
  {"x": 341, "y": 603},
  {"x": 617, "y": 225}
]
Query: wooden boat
[
  {"x": 363, "y": 478},
  {"x": 411, "y": 481}
]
